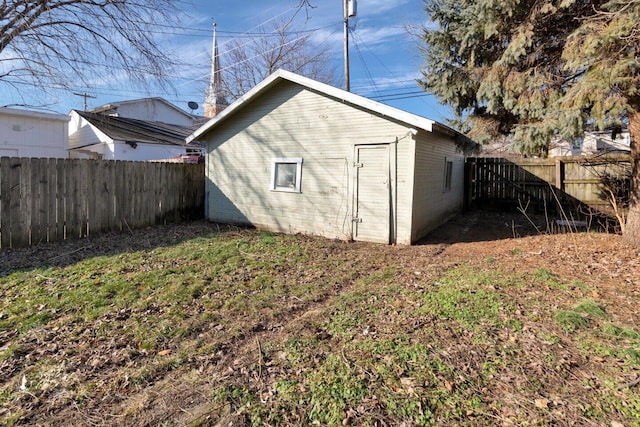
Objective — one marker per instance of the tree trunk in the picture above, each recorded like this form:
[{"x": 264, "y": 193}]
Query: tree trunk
[{"x": 632, "y": 229}]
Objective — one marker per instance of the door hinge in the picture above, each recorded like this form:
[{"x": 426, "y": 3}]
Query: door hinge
[
  {"x": 357, "y": 165},
  {"x": 356, "y": 219}
]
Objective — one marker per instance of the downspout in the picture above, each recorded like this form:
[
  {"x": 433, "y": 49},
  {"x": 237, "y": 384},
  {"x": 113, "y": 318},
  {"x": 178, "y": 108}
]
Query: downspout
[
  {"x": 393, "y": 194},
  {"x": 411, "y": 134}
]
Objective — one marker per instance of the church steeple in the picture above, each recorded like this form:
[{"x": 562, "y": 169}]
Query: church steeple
[{"x": 215, "y": 101}]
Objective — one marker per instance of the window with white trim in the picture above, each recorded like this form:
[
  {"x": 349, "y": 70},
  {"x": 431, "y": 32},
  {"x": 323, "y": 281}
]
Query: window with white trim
[
  {"x": 576, "y": 143},
  {"x": 286, "y": 174}
]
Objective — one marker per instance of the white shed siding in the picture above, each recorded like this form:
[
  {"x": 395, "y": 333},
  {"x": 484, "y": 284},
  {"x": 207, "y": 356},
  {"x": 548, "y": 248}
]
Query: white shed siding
[
  {"x": 405, "y": 165},
  {"x": 293, "y": 122},
  {"x": 432, "y": 203}
]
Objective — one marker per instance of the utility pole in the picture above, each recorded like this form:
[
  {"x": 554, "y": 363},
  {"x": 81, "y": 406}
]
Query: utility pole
[
  {"x": 350, "y": 10},
  {"x": 347, "y": 84},
  {"x": 85, "y": 96}
]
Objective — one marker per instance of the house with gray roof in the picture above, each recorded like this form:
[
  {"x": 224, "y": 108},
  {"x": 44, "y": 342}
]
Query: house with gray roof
[{"x": 101, "y": 136}]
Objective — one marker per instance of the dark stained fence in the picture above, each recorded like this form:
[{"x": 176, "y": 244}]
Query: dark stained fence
[
  {"x": 44, "y": 200},
  {"x": 544, "y": 184}
]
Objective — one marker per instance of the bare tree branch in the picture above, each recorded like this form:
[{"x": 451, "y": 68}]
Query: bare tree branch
[
  {"x": 280, "y": 46},
  {"x": 48, "y": 43}
]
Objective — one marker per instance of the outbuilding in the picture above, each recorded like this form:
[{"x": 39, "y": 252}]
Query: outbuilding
[
  {"x": 27, "y": 133},
  {"x": 298, "y": 156}
]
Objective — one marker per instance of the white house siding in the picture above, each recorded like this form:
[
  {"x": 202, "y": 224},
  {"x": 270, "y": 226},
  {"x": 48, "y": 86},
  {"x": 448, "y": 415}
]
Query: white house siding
[
  {"x": 432, "y": 203},
  {"x": 592, "y": 143},
  {"x": 287, "y": 123},
  {"x": 118, "y": 150},
  {"x": 123, "y": 151},
  {"x": 95, "y": 152},
  {"x": 82, "y": 133},
  {"x": 33, "y": 134},
  {"x": 153, "y": 110}
]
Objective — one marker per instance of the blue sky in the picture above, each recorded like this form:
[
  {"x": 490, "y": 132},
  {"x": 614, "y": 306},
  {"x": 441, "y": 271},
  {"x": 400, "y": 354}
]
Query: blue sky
[{"x": 384, "y": 57}]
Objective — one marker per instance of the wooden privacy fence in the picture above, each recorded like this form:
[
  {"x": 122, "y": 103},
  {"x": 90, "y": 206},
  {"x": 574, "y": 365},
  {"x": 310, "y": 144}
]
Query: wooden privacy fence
[
  {"x": 572, "y": 182},
  {"x": 44, "y": 200}
]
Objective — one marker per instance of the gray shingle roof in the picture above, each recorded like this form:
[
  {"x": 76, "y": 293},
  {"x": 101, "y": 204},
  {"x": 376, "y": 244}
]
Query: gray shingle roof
[{"x": 139, "y": 131}]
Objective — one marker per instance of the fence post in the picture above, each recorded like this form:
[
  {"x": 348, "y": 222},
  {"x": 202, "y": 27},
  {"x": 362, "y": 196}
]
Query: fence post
[
  {"x": 5, "y": 203},
  {"x": 559, "y": 174},
  {"x": 469, "y": 169}
]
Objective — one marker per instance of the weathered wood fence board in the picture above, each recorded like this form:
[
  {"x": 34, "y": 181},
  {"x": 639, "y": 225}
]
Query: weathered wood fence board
[
  {"x": 570, "y": 181},
  {"x": 44, "y": 200}
]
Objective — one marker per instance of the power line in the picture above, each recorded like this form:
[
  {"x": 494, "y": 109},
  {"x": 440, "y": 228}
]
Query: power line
[
  {"x": 260, "y": 54},
  {"x": 394, "y": 83},
  {"x": 206, "y": 32},
  {"x": 397, "y": 89},
  {"x": 364, "y": 64},
  {"x": 402, "y": 95},
  {"x": 395, "y": 95}
]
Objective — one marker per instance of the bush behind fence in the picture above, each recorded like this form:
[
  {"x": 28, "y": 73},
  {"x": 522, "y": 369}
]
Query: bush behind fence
[{"x": 45, "y": 200}]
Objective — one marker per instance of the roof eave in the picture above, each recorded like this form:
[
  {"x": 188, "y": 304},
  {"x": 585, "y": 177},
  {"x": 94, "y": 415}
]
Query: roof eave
[{"x": 323, "y": 88}]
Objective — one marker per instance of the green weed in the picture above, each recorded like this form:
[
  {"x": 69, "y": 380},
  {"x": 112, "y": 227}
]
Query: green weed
[
  {"x": 581, "y": 315},
  {"x": 571, "y": 321},
  {"x": 591, "y": 308}
]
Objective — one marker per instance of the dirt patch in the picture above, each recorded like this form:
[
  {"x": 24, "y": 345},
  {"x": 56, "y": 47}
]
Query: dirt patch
[{"x": 513, "y": 243}]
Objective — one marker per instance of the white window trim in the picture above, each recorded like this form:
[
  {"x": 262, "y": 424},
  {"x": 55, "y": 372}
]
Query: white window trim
[{"x": 298, "y": 162}]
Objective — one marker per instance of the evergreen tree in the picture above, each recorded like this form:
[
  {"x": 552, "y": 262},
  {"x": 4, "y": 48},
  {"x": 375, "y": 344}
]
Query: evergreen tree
[{"x": 538, "y": 69}]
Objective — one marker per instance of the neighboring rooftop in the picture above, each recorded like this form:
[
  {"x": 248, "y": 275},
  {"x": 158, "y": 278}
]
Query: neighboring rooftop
[
  {"x": 155, "y": 108},
  {"x": 139, "y": 131},
  {"x": 33, "y": 114}
]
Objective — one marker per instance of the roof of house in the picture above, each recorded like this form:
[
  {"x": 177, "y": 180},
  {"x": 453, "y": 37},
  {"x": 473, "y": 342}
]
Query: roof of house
[
  {"x": 33, "y": 114},
  {"x": 326, "y": 90},
  {"x": 112, "y": 107},
  {"x": 139, "y": 131}
]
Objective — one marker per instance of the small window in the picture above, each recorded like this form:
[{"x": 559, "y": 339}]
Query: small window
[
  {"x": 448, "y": 173},
  {"x": 286, "y": 174}
]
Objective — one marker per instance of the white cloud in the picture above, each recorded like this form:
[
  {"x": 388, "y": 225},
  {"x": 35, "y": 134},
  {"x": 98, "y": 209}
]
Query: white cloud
[
  {"x": 379, "y": 7},
  {"x": 367, "y": 35},
  {"x": 371, "y": 35}
]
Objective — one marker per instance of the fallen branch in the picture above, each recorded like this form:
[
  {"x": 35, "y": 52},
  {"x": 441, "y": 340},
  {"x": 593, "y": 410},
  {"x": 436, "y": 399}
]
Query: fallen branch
[{"x": 69, "y": 253}]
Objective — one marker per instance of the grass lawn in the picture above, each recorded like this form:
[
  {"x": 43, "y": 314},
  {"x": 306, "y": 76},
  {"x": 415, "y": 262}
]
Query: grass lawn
[{"x": 191, "y": 325}]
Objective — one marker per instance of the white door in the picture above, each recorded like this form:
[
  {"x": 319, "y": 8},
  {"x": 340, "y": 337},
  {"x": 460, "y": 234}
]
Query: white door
[{"x": 371, "y": 216}]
